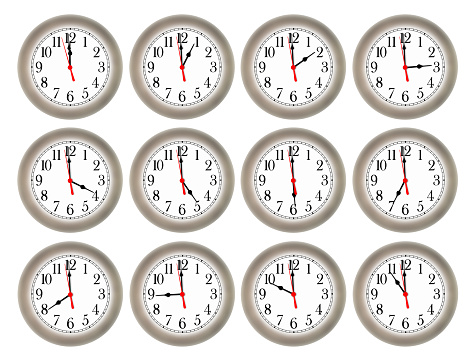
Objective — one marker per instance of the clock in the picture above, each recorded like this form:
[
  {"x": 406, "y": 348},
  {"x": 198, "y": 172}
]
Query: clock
[
  {"x": 70, "y": 293},
  {"x": 405, "y": 293},
  {"x": 405, "y": 180},
  {"x": 182, "y": 293},
  {"x": 182, "y": 66},
  {"x": 293, "y": 293},
  {"x": 70, "y": 180},
  {"x": 70, "y": 66},
  {"x": 293, "y": 66},
  {"x": 182, "y": 180},
  {"x": 405, "y": 66},
  {"x": 293, "y": 180}
]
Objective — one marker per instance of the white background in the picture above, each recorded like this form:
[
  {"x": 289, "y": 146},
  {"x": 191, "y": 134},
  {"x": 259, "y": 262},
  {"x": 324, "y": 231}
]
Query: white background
[{"x": 237, "y": 123}]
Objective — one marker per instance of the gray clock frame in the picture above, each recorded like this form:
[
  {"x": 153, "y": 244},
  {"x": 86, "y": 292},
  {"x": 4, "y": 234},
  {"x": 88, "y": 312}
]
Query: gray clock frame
[{"x": 24, "y": 67}]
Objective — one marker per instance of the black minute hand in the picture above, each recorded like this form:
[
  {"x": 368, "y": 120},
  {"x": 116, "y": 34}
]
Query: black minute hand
[
  {"x": 398, "y": 283},
  {"x": 188, "y": 55},
  {"x": 280, "y": 288},
  {"x": 304, "y": 59},
  {"x": 81, "y": 186}
]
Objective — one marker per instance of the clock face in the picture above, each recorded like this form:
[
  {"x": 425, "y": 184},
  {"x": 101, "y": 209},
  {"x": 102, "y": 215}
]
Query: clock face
[
  {"x": 405, "y": 293},
  {"x": 70, "y": 66},
  {"x": 293, "y": 293},
  {"x": 182, "y": 293},
  {"x": 405, "y": 180},
  {"x": 70, "y": 180},
  {"x": 182, "y": 180},
  {"x": 182, "y": 66},
  {"x": 405, "y": 66},
  {"x": 293, "y": 179},
  {"x": 293, "y": 66},
  {"x": 70, "y": 293}
]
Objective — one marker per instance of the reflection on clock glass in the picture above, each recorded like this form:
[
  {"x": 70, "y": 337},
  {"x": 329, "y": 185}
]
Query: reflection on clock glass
[
  {"x": 293, "y": 180},
  {"x": 293, "y": 293},
  {"x": 182, "y": 67},
  {"x": 293, "y": 66},
  {"x": 405, "y": 180},
  {"x": 70, "y": 180},
  {"x": 405, "y": 293},
  {"x": 70, "y": 66},
  {"x": 405, "y": 67},
  {"x": 182, "y": 180},
  {"x": 70, "y": 293},
  {"x": 182, "y": 293}
]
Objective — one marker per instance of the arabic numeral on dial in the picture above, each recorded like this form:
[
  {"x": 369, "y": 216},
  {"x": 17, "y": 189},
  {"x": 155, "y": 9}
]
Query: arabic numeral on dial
[
  {"x": 379, "y": 309},
  {"x": 214, "y": 294},
  {"x": 405, "y": 96},
  {"x": 102, "y": 294},
  {"x": 44, "y": 309},
  {"x": 432, "y": 279},
  {"x": 420, "y": 207},
  {"x": 39, "y": 293},
  {"x": 420, "y": 94},
  {"x": 431, "y": 309},
  {"x": 158, "y": 52},
  {"x": 436, "y": 67},
  {"x": 374, "y": 67},
  {"x": 70, "y": 96},
  {"x": 405, "y": 209},
  {"x": 405, "y": 323},
  {"x": 267, "y": 309},
  {"x": 214, "y": 180},
  {"x": 374, "y": 294},
  {"x": 102, "y": 67},
  {"x": 379, "y": 82},
  {"x": 182, "y": 323},
  {"x": 44, "y": 195},
  {"x": 267, "y": 196},
  {"x": 324, "y": 179},
  {"x": 44, "y": 82},
  {"x": 436, "y": 180},
  {"x": 269, "y": 52},
  {"x": 381, "y": 165},
  {"x": 39, "y": 66},
  {"x": 181, "y": 96},
  {"x": 262, "y": 66},
  {"x": 269, "y": 279},
  {"x": 70, "y": 323},
  {"x": 262, "y": 293},
  {"x": 324, "y": 293},
  {"x": 293, "y": 209},
  {"x": 381, "y": 52},
  {"x": 308, "y": 208},
  {"x": 267, "y": 83},
  {"x": 262, "y": 180},
  {"x": 96, "y": 51},
  {"x": 374, "y": 180},
  {"x": 85, "y": 320},
  {"x": 381, "y": 279},
  {"x": 421, "y": 320},
  {"x": 197, "y": 320},
  {"x": 269, "y": 165},
  {"x": 156, "y": 82},
  {"x": 293, "y": 96},
  {"x": 102, "y": 180},
  {"x": 324, "y": 67},
  {"x": 95, "y": 83},
  {"x": 181, "y": 209},
  {"x": 309, "y": 320},
  {"x": 213, "y": 68},
  {"x": 379, "y": 195},
  {"x": 293, "y": 323}
]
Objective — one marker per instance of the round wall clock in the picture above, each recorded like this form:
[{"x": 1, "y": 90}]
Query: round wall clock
[
  {"x": 182, "y": 293},
  {"x": 405, "y": 66},
  {"x": 293, "y": 293},
  {"x": 405, "y": 293},
  {"x": 70, "y": 66},
  {"x": 70, "y": 293},
  {"x": 70, "y": 180},
  {"x": 293, "y": 66},
  {"x": 405, "y": 180},
  {"x": 182, "y": 180},
  {"x": 293, "y": 180},
  {"x": 182, "y": 66}
]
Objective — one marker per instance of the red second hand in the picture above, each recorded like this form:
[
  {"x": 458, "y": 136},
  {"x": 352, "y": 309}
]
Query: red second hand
[
  {"x": 182, "y": 294},
  {"x": 70, "y": 67},
  {"x": 293, "y": 292},
  {"x": 292, "y": 59},
  {"x": 70, "y": 181},
  {"x": 405, "y": 66},
  {"x": 404, "y": 173},
  {"x": 404, "y": 284},
  {"x": 182, "y": 181},
  {"x": 70, "y": 294},
  {"x": 182, "y": 67},
  {"x": 291, "y": 171}
]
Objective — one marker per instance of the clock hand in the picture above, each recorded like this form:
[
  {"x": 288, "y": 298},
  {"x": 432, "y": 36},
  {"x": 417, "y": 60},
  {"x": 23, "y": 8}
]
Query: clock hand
[
  {"x": 70, "y": 294},
  {"x": 291, "y": 49},
  {"x": 180, "y": 277},
  {"x": 398, "y": 193},
  {"x": 403, "y": 277},
  {"x": 304, "y": 59},
  {"x": 291, "y": 163},
  {"x": 168, "y": 294},
  {"x": 190, "y": 192},
  {"x": 291, "y": 275},
  {"x": 70, "y": 181},
  {"x": 70, "y": 53},
  {"x": 280, "y": 288},
  {"x": 58, "y": 302},
  {"x": 70, "y": 67},
  {"x": 398, "y": 283},
  {"x": 68, "y": 159},
  {"x": 81, "y": 186},
  {"x": 403, "y": 51},
  {"x": 403, "y": 164},
  {"x": 419, "y": 66},
  {"x": 180, "y": 162},
  {"x": 182, "y": 67},
  {"x": 188, "y": 55}
]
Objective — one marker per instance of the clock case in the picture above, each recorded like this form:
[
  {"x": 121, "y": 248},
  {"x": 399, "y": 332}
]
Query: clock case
[
  {"x": 25, "y": 68},
  {"x": 25, "y": 295}
]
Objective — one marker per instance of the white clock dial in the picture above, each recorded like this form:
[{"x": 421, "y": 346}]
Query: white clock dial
[
  {"x": 70, "y": 66},
  {"x": 70, "y": 180},
  {"x": 405, "y": 66},
  {"x": 293, "y": 293},
  {"x": 405, "y": 293},
  {"x": 182, "y": 67},
  {"x": 293, "y": 66},
  {"x": 182, "y": 293},
  {"x": 182, "y": 180},
  {"x": 293, "y": 180},
  {"x": 405, "y": 180},
  {"x": 70, "y": 293}
]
